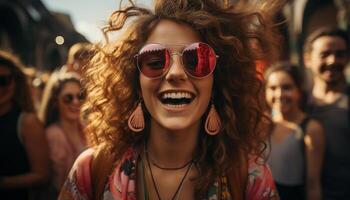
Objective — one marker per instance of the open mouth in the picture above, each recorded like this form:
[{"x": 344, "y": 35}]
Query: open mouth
[{"x": 176, "y": 99}]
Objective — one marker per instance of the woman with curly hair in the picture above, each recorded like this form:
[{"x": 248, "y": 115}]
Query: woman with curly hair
[
  {"x": 175, "y": 106},
  {"x": 23, "y": 147}
]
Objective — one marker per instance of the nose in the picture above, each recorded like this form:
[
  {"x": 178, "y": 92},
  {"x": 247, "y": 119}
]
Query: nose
[
  {"x": 176, "y": 70},
  {"x": 331, "y": 59},
  {"x": 278, "y": 93},
  {"x": 76, "y": 100}
]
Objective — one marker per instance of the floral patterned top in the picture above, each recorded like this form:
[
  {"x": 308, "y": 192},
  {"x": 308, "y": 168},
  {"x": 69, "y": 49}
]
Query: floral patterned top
[{"x": 121, "y": 184}]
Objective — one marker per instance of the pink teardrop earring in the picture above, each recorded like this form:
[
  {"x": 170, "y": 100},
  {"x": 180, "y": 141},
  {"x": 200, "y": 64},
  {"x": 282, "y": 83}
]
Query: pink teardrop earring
[
  {"x": 212, "y": 123},
  {"x": 136, "y": 120}
]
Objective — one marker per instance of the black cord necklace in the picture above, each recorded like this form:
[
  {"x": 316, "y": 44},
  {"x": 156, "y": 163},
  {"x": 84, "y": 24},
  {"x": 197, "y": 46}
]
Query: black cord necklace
[
  {"x": 181, "y": 182},
  {"x": 171, "y": 168}
]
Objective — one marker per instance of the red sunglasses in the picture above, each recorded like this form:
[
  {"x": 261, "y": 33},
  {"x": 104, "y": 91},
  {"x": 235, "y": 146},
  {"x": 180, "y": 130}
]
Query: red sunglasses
[{"x": 198, "y": 59}]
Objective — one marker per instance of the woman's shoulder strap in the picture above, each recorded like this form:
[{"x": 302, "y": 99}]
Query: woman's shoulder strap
[{"x": 304, "y": 123}]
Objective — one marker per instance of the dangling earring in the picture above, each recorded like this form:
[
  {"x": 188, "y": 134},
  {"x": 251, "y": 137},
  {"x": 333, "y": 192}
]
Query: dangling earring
[
  {"x": 212, "y": 123},
  {"x": 136, "y": 120}
]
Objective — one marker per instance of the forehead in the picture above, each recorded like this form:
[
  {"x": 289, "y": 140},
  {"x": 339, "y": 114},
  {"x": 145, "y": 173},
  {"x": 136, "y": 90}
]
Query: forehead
[
  {"x": 329, "y": 43},
  {"x": 169, "y": 32},
  {"x": 70, "y": 87},
  {"x": 279, "y": 78}
]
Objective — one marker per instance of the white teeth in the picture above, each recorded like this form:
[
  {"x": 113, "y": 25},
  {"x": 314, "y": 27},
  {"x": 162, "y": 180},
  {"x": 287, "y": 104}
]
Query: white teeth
[
  {"x": 177, "y": 95},
  {"x": 176, "y": 106}
]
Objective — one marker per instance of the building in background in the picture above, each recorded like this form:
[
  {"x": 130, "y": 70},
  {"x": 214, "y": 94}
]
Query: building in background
[{"x": 41, "y": 38}]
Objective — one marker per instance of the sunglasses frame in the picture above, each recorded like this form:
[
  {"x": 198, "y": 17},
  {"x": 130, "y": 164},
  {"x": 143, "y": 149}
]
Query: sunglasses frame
[
  {"x": 179, "y": 53},
  {"x": 79, "y": 97}
]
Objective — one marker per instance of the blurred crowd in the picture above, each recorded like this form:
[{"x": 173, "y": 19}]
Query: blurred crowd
[
  {"x": 41, "y": 128},
  {"x": 308, "y": 146}
]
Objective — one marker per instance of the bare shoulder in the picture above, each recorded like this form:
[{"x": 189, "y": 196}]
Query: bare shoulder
[
  {"x": 31, "y": 125},
  {"x": 314, "y": 128},
  {"x": 314, "y": 136},
  {"x": 54, "y": 130},
  {"x": 30, "y": 119}
]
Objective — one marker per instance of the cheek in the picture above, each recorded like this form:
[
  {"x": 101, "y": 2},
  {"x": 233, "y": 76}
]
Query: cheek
[
  {"x": 62, "y": 107},
  {"x": 316, "y": 63},
  {"x": 269, "y": 97},
  {"x": 297, "y": 96},
  {"x": 148, "y": 89},
  {"x": 205, "y": 85},
  {"x": 144, "y": 86}
]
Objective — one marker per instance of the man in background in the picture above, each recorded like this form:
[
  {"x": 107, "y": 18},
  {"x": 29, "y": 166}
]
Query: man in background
[{"x": 326, "y": 54}]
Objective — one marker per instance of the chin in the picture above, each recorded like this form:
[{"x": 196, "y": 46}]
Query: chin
[
  {"x": 285, "y": 110},
  {"x": 73, "y": 117},
  {"x": 176, "y": 124}
]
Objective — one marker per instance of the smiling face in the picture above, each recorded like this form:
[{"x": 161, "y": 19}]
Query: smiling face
[
  {"x": 68, "y": 101},
  {"x": 328, "y": 58},
  {"x": 175, "y": 101},
  {"x": 281, "y": 92}
]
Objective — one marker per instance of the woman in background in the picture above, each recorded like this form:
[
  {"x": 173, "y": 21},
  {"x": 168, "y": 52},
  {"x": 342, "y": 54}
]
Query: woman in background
[
  {"x": 23, "y": 147},
  {"x": 60, "y": 113},
  {"x": 297, "y": 141}
]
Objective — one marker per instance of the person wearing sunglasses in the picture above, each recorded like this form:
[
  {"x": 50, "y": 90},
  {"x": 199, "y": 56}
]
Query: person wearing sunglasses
[
  {"x": 23, "y": 147},
  {"x": 60, "y": 113},
  {"x": 175, "y": 105}
]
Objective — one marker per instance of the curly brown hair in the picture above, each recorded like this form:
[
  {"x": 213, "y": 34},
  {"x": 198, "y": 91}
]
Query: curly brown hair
[{"x": 241, "y": 34}]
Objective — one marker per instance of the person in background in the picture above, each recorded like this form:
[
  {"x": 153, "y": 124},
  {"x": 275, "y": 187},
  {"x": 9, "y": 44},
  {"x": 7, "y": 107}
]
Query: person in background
[
  {"x": 326, "y": 54},
  {"x": 297, "y": 140},
  {"x": 60, "y": 113},
  {"x": 23, "y": 147},
  {"x": 175, "y": 108},
  {"x": 36, "y": 81},
  {"x": 79, "y": 56}
]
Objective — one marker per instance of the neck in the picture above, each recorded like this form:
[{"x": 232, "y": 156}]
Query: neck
[
  {"x": 172, "y": 148},
  {"x": 72, "y": 125},
  {"x": 295, "y": 116},
  {"x": 5, "y": 107},
  {"x": 328, "y": 91}
]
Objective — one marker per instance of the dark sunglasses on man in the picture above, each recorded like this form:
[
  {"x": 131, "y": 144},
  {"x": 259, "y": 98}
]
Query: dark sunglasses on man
[{"x": 5, "y": 80}]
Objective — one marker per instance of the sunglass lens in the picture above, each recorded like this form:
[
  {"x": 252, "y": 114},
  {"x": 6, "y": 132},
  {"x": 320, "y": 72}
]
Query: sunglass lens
[
  {"x": 199, "y": 59},
  {"x": 68, "y": 98},
  {"x": 5, "y": 80},
  {"x": 153, "y": 60}
]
